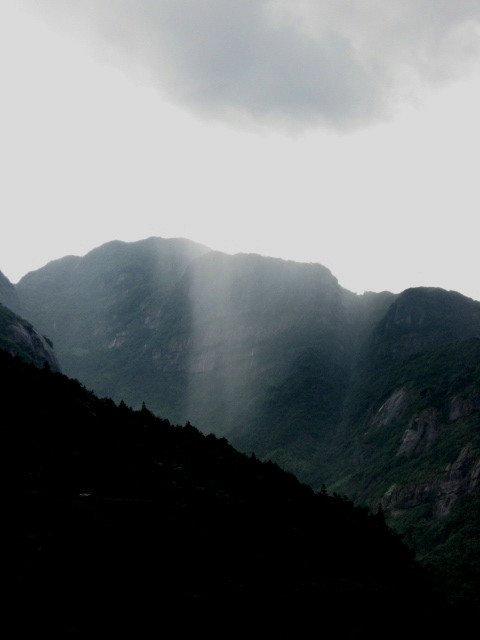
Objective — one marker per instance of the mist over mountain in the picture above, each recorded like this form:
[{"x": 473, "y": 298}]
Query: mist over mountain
[
  {"x": 376, "y": 396},
  {"x": 201, "y": 328}
]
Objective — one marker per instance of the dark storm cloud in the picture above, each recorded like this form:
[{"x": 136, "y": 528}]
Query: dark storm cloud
[{"x": 341, "y": 63}]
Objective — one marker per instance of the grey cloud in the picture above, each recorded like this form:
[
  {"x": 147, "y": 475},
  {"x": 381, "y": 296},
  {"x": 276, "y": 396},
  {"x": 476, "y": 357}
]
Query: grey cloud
[{"x": 293, "y": 63}]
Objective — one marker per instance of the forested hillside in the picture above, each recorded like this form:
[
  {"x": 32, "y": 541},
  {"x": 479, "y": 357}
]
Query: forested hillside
[{"x": 123, "y": 519}]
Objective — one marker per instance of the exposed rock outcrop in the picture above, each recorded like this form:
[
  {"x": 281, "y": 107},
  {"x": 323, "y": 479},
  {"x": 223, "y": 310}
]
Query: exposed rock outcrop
[
  {"x": 19, "y": 338},
  {"x": 460, "y": 407},
  {"x": 25, "y": 335},
  {"x": 391, "y": 409},
  {"x": 420, "y": 434},
  {"x": 461, "y": 476}
]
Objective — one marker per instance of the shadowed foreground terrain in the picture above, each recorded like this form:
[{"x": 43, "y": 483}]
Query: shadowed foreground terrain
[{"x": 123, "y": 521}]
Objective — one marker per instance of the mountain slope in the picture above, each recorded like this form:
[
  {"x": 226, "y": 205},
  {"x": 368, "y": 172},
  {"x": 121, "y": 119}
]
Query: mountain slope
[
  {"x": 120, "y": 518},
  {"x": 197, "y": 335},
  {"x": 410, "y": 436},
  {"x": 19, "y": 338},
  {"x": 8, "y": 295},
  {"x": 352, "y": 391}
]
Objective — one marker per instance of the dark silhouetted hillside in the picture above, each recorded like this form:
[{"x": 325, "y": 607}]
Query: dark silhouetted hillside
[{"x": 125, "y": 522}]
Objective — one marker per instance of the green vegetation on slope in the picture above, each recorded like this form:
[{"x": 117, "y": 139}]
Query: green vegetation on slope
[
  {"x": 431, "y": 490},
  {"x": 122, "y": 519}
]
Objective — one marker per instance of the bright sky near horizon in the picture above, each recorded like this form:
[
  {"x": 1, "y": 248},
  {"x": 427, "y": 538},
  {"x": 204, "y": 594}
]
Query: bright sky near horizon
[{"x": 333, "y": 132}]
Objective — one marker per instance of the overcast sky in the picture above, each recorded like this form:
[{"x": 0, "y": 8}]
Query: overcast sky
[{"x": 344, "y": 132}]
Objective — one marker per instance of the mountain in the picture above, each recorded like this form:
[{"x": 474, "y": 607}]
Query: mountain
[
  {"x": 125, "y": 522},
  {"x": 196, "y": 334},
  {"x": 410, "y": 437},
  {"x": 98, "y": 306},
  {"x": 375, "y": 396},
  {"x": 8, "y": 295},
  {"x": 17, "y": 336}
]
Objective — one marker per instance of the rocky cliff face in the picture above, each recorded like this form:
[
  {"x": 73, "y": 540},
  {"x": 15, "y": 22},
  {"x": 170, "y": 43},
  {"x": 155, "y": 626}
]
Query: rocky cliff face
[
  {"x": 19, "y": 338},
  {"x": 462, "y": 407},
  {"x": 441, "y": 490},
  {"x": 428, "y": 430},
  {"x": 440, "y": 494},
  {"x": 421, "y": 433},
  {"x": 392, "y": 409}
]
